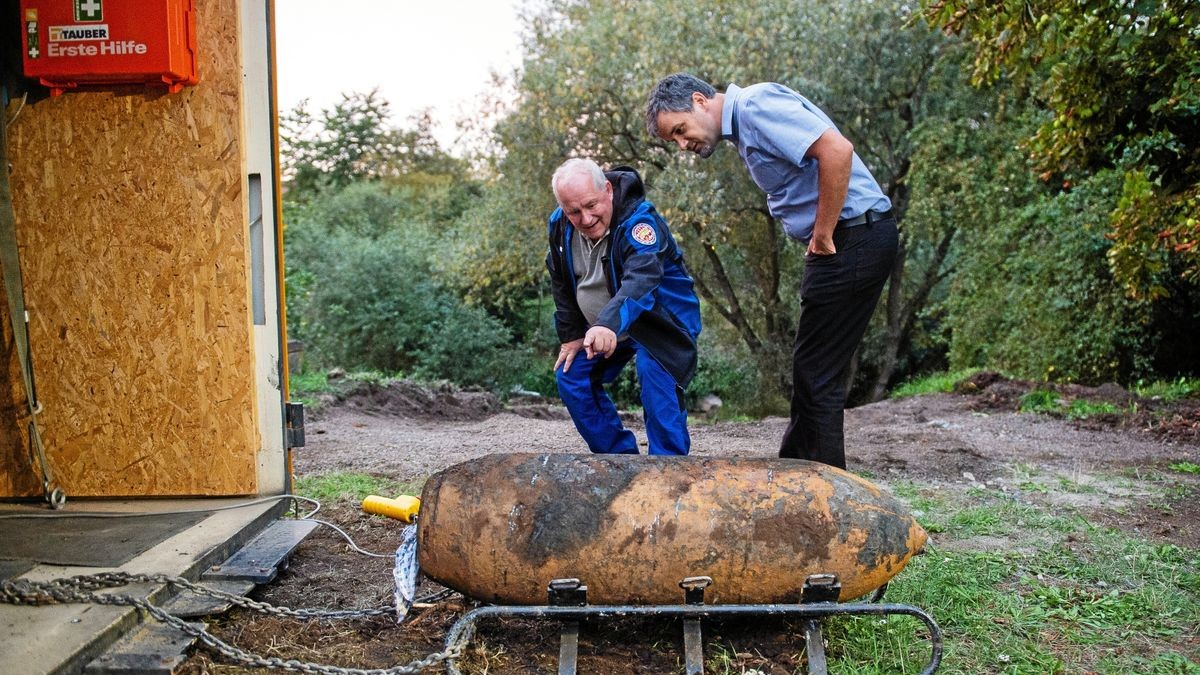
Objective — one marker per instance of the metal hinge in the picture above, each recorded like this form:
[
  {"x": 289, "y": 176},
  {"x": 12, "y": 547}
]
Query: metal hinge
[{"x": 294, "y": 414}]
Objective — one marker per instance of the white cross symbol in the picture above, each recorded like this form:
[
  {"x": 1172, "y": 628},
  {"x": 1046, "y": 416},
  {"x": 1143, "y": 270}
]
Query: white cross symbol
[
  {"x": 89, "y": 7},
  {"x": 33, "y": 52}
]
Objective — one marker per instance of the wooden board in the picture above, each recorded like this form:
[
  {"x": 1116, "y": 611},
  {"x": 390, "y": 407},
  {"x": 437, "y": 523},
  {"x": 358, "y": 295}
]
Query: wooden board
[{"x": 132, "y": 233}]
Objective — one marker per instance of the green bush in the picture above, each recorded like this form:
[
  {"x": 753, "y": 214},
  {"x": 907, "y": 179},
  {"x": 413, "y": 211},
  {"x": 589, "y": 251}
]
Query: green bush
[
  {"x": 1031, "y": 292},
  {"x": 364, "y": 294}
]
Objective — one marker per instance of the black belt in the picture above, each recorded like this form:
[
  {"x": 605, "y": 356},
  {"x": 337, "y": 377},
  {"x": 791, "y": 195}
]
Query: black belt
[{"x": 865, "y": 218}]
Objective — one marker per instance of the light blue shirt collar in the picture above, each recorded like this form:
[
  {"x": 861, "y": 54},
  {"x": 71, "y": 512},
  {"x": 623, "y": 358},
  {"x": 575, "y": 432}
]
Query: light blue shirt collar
[{"x": 727, "y": 112}]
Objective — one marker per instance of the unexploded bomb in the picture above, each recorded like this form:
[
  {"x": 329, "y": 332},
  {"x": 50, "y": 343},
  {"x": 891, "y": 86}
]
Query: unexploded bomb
[{"x": 499, "y": 528}]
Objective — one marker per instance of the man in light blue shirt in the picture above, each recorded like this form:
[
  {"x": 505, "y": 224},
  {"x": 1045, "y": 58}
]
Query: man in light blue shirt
[{"x": 826, "y": 198}]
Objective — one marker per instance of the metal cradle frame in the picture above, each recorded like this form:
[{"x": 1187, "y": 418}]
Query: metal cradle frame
[{"x": 567, "y": 603}]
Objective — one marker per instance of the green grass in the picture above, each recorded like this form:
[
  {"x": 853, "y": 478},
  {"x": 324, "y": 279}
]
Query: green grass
[
  {"x": 1051, "y": 403},
  {"x": 1081, "y": 409},
  {"x": 335, "y": 487},
  {"x": 308, "y": 383},
  {"x": 933, "y": 384},
  {"x": 305, "y": 388},
  {"x": 1054, "y": 601},
  {"x": 1041, "y": 401},
  {"x": 1186, "y": 467},
  {"x": 1184, "y": 387}
]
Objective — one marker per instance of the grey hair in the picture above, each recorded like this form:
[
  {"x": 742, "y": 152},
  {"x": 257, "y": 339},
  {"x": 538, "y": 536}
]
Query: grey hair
[
  {"x": 673, "y": 93},
  {"x": 573, "y": 167}
]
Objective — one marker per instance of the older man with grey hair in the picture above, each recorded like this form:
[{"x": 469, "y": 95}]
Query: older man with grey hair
[{"x": 621, "y": 292}]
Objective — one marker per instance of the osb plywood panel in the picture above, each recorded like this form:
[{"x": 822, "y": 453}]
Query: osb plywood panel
[
  {"x": 132, "y": 236},
  {"x": 17, "y": 476}
]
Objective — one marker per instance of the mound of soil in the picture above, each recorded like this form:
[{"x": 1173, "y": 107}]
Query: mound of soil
[
  {"x": 405, "y": 398},
  {"x": 1175, "y": 421}
]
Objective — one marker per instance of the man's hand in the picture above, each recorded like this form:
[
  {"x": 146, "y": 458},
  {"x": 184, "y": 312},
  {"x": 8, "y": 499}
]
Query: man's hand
[
  {"x": 600, "y": 340},
  {"x": 835, "y": 157},
  {"x": 566, "y": 354},
  {"x": 821, "y": 245}
]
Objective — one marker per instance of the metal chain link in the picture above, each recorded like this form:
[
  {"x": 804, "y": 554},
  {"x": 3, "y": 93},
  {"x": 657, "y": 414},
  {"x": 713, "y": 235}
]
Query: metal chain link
[{"x": 82, "y": 589}]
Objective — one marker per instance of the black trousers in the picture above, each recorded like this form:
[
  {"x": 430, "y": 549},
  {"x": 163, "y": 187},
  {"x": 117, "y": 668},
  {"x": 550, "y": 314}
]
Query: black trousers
[{"x": 837, "y": 298}]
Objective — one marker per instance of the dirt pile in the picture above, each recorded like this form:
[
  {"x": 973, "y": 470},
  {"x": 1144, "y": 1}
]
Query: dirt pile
[
  {"x": 406, "y": 398},
  {"x": 1175, "y": 421}
]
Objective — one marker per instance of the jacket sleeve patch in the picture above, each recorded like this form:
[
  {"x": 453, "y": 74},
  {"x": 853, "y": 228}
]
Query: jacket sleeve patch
[{"x": 644, "y": 234}]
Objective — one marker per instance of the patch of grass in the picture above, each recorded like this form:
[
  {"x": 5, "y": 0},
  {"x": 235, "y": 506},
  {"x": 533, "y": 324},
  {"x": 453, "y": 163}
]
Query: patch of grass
[
  {"x": 1032, "y": 486},
  {"x": 304, "y": 388},
  {"x": 905, "y": 490},
  {"x": 308, "y": 383},
  {"x": 1068, "y": 485},
  {"x": 932, "y": 384},
  {"x": 1041, "y": 401},
  {"x": 926, "y": 509},
  {"x": 1184, "y": 387},
  {"x": 722, "y": 660},
  {"x": 1169, "y": 663},
  {"x": 978, "y": 521},
  {"x": 1186, "y": 467},
  {"x": 1081, "y": 409},
  {"x": 333, "y": 487},
  {"x": 371, "y": 377},
  {"x": 983, "y": 627},
  {"x": 1049, "y": 610},
  {"x": 1051, "y": 403},
  {"x": 720, "y": 416}
]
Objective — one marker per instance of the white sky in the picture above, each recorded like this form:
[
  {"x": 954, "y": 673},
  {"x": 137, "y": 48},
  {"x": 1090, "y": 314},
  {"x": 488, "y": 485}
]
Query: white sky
[{"x": 427, "y": 53}]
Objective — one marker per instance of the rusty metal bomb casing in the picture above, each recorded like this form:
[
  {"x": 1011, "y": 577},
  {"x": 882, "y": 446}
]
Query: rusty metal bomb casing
[{"x": 499, "y": 528}]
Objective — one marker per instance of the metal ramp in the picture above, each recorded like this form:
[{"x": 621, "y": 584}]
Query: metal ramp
[
  {"x": 158, "y": 649},
  {"x": 153, "y": 649},
  {"x": 260, "y": 560}
]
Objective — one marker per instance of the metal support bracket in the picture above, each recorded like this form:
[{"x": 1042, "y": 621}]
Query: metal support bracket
[
  {"x": 567, "y": 593},
  {"x": 818, "y": 589},
  {"x": 693, "y": 642},
  {"x": 568, "y": 605}
]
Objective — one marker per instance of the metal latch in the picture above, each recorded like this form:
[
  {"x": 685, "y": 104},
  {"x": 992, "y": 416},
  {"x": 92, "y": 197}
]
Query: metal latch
[{"x": 294, "y": 416}]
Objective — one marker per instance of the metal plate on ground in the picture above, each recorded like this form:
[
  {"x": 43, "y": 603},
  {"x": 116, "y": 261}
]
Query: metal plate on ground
[
  {"x": 262, "y": 557},
  {"x": 155, "y": 649},
  {"x": 189, "y": 605}
]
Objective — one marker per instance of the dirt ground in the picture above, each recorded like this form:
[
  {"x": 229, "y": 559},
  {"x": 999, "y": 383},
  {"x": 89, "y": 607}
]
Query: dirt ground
[{"x": 972, "y": 438}]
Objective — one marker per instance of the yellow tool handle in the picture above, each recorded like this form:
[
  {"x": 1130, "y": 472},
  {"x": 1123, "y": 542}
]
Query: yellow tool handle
[{"x": 403, "y": 508}]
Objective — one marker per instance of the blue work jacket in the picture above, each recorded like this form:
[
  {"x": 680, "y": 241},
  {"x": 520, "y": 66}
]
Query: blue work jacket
[{"x": 653, "y": 300}]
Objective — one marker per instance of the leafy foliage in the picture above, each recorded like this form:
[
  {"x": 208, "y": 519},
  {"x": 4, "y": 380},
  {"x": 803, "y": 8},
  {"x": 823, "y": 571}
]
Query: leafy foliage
[
  {"x": 1122, "y": 82},
  {"x": 354, "y": 140},
  {"x": 364, "y": 292},
  {"x": 370, "y": 209}
]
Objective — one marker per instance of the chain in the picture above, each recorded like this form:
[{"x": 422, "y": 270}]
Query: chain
[{"x": 82, "y": 589}]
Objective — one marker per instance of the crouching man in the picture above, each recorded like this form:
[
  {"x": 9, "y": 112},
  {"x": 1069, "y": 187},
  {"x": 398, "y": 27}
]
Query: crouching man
[{"x": 621, "y": 292}]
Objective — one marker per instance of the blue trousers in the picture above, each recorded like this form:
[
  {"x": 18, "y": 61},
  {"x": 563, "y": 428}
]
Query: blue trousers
[{"x": 596, "y": 418}]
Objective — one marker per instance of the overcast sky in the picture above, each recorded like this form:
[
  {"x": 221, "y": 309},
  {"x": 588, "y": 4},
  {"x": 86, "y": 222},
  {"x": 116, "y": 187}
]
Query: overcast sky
[{"x": 431, "y": 53}]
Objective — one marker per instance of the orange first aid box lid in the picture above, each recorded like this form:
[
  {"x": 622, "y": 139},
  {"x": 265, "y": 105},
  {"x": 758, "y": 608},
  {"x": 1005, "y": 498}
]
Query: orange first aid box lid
[{"x": 74, "y": 43}]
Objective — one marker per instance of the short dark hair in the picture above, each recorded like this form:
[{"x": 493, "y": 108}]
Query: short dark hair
[{"x": 673, "y": 93}]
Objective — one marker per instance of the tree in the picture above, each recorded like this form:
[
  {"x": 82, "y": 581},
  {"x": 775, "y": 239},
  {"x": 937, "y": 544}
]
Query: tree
[
  {"x": 1121, "y": 79},
  {"x": 354, "y": 140}
]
